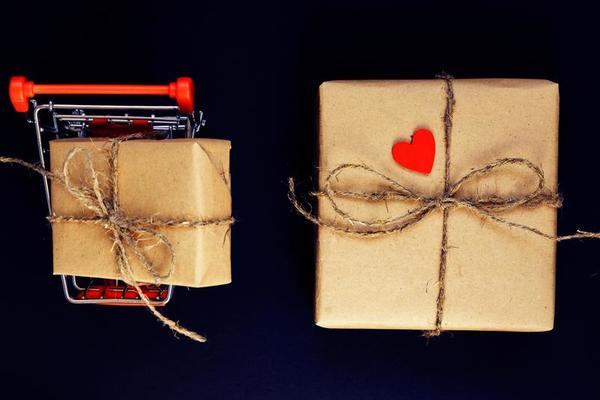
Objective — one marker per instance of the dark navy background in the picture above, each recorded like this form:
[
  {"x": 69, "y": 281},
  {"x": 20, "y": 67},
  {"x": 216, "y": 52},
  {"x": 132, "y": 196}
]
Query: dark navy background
[{"x": 257, "y": 68}]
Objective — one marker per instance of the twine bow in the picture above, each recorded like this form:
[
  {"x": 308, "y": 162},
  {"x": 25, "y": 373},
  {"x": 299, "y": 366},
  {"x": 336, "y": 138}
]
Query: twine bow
[
  {"x": 126, "y": 232},
  {"x": 488, "y": 207}
]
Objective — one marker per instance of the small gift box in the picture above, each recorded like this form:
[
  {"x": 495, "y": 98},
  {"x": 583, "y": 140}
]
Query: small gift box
[
  {"x": 172, "y": 217},
  {"x": 436, "y": 234}
]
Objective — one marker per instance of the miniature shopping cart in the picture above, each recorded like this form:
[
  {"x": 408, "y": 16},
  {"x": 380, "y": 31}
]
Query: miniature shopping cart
[{"x": 55, "y": 121}]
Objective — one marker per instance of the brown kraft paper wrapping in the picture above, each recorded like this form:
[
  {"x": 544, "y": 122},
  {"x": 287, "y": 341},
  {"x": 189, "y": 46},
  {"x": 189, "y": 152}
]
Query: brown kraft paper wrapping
[
  {"x": 178, "y": 178},
  {"x": 497, "y": 278}
]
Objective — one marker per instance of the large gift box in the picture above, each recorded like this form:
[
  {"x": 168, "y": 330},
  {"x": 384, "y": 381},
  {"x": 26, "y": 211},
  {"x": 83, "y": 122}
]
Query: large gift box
[
  {"x": 178, "y": 179},
  {"x": 497, "y": 277}
]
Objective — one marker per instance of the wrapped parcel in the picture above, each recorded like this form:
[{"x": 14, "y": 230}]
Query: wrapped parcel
[
  {"x": 497, "y": 277},
  {"x": 177, "y": 179}
]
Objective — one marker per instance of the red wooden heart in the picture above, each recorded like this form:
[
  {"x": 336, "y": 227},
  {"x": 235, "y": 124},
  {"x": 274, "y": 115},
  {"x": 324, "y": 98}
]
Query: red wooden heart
[{"x": 418, "y": 155}]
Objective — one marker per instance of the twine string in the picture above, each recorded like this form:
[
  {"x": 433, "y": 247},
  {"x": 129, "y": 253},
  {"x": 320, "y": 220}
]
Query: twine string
[{"x": 126, "y": 233}]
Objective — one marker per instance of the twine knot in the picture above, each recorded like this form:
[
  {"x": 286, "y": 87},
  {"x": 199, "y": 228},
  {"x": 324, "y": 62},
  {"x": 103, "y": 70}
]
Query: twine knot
[
  {"x": 444, "y": 202},
  {"x": 115, "y": 218}
]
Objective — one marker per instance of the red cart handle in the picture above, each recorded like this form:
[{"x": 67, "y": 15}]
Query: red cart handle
[{"x": 182, "y": 90}]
